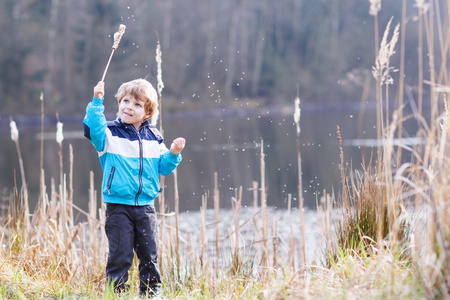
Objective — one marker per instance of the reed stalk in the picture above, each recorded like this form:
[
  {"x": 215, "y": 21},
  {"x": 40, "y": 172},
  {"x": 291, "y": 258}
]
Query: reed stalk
[
  {"x": 431, "y": 60},
  {"x": 401, "y": 84},
  {"x": 62, "y": 205},
  {"x": 62, "y": 182},
  {"x": 254, "y": 191},
  {"x": 382, "y": 74},
  {"x": 42, "y": 191},
  {"x": 158, "y": 116},
  {"x": 216, "y": 216},
  {"x": 103, "y": 237},
  {"x": 375, "y": 7},
  {"x": 324, "y": 213},
  {"x": 41, "y": 166},
  {"x": 177, "y": 222},
  {"x": 43, "y": 200},
  {"x": 342, "y": 169},
  {"x": 70, "y": 208},
  {"x": 203, "y": 235},
  {"x": 421, "y": 11},
  {"x": 162, "y": 225},
  {"x": 275, "y": 243},
  {"x": 53, "y": 200},
  {"x": 264, "y": 214},
  {"x": 236, "y": 209},
  {"x": 301, "y": 243},
  {"x": 25, "y": 206},
  {"x": 93, "y": 239},
  {"x": 291, "y": 241}
]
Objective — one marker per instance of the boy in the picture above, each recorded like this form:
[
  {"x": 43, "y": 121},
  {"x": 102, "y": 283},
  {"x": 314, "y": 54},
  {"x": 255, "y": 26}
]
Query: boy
[{"x": 132, "y": 155}]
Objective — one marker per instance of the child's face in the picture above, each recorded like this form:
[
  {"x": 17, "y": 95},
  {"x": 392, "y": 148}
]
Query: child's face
[{"x": 132, "y": 111}]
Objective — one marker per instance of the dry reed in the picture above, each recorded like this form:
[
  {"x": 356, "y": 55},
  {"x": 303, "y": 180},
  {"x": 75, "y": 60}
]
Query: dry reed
[
  {"x": 301, "y": 240},
  {"x": 265, "y": 217}
]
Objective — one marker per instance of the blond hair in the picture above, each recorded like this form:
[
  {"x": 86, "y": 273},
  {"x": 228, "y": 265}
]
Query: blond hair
[{"x": 141, "y": 90}]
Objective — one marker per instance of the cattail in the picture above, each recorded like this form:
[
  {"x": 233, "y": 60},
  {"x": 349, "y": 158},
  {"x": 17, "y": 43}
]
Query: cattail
[
  {"x": 59, "y": 133},
  {"x": 15, "y": 138},
  {"x": 297, "y": 114},
  {"x": 422, "y": 6},
  {"x": 159, "y": 69},
  {"x": 14, "y": 131},
  {"x": 160, "y": 86},
  {"x": 118, "y": 36},
  {"x": 375, "y": 7}
]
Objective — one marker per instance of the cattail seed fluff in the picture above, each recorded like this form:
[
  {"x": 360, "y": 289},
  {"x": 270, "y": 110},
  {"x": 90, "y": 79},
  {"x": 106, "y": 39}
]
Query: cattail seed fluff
[
  {"x": 14, "y": 131},
  {"x": 59, "y": 133}
]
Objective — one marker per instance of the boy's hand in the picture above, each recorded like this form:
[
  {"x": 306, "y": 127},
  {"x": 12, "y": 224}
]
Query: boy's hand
[
  {"x": 99, "y": 90},
  {"x": 177, "y": 145}
]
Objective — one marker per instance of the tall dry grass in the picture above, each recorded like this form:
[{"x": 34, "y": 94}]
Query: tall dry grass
[
  {"x": 398, "y": 211},
  {"x": 387, "y": 233},
  {"x": 49, "y": 255}
]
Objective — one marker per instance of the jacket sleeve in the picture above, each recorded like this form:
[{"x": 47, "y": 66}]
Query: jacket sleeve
[
  {"x": 168, "y": 161},
  {"x": 95, "y": 124}
]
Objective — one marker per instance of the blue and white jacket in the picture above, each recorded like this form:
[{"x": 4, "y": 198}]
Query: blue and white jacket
[{"x": 131, "y": 160}]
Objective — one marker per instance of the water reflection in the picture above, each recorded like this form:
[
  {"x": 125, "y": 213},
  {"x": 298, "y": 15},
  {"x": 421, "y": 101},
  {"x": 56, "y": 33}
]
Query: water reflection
[{"x": 228, "y": 144}]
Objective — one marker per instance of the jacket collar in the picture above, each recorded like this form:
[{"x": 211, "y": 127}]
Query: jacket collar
[{"x": 118, "y": 122}]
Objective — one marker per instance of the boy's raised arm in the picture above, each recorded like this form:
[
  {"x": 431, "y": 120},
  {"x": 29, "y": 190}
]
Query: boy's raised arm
[
  {"x": 99, "y": 90},
  {"x": 95, "y": 121}
]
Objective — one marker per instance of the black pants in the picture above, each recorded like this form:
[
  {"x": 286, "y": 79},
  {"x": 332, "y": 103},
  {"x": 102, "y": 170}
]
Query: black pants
[{"x": 131, "y": 228}]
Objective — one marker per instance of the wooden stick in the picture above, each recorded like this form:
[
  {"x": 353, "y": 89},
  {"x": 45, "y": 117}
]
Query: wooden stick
[
  {"x": 107, "y": 65},
  {"x": 117, "y": 38}
]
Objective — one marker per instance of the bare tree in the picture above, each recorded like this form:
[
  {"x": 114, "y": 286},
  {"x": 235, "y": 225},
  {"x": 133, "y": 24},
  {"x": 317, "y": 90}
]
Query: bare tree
[
  {"x": 167, "y": 24},
  {"x": 259, "y": 50},
  {"x": 232, "y": 49},
  {"x": 51, "y": 65},
  {"x": 210, "y": 34}
]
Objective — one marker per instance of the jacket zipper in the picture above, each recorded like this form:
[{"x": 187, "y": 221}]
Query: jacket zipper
[
  {"x": 110, "y": 179},
  {"x": 141, "y": 166}
]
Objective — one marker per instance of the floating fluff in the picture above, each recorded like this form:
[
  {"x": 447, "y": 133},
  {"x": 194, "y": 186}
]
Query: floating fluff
[
  {"x": 422, "y": 6},
  {"x": 375, "y": 7}
]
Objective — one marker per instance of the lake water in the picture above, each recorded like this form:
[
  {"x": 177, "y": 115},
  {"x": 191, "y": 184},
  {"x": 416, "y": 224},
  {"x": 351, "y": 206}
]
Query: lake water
[{"x": 225, "y": 141}]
